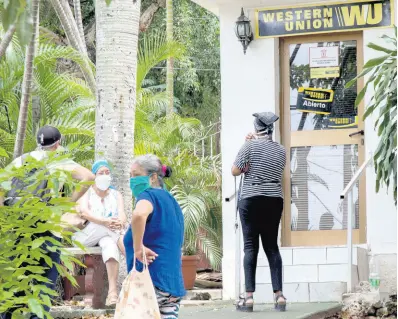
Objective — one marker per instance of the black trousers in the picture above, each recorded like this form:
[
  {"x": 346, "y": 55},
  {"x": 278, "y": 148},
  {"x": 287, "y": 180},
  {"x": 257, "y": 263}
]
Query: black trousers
[{"x": 260, "y": 217}]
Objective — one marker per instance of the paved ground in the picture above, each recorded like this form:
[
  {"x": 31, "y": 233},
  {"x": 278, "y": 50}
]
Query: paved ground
[
  {"x": 214, "y": 310},
  {"x": 262, "y": 311}
]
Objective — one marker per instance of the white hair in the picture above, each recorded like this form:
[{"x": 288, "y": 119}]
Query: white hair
[{"x": 151, "y": 164}]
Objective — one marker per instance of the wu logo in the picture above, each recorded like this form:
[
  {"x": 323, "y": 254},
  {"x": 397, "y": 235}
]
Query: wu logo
[{"x": 323, "y": 53}]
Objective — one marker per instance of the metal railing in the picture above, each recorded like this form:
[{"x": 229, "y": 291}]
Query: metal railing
[{"x": 348, "y": 194}]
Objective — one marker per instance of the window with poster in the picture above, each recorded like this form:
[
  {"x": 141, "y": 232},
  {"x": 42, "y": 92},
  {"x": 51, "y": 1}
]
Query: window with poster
[{"x": 320, "y": 131}]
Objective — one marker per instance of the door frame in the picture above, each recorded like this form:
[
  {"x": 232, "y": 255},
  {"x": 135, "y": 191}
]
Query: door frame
[{"x": 317, "y": 237}]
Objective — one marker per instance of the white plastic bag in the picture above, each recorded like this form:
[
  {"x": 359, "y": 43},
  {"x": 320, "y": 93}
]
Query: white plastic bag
[{"x": 137, "y": 298}]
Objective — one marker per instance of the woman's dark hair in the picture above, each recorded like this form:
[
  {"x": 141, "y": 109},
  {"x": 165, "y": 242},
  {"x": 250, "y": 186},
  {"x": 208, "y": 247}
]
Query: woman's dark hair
[{"x": 167, "y": 171}]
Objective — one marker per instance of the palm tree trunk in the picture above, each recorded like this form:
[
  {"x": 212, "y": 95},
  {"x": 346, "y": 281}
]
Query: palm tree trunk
[
  {"x": 117, "y": 45},
  {"x": 27, "y": 83},
  {"x": 79, "y": 22},
  {"x": 170, "y": 61},
  {"x": 7, "y": 39},
  {"x": 73, "y": 24},
  {"x": 70, "y": 27},
  {"x": 36, "y": 111}
]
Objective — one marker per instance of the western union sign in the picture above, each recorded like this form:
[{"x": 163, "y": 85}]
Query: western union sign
[{"x": 337, "y": 16}]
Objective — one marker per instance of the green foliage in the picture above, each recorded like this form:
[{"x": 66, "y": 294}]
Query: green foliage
[
  {"x": 65, "y": 100},
  {"x": 18, "y": 12},
  {"x": 383, "y": 80},
  {"x": 23, "y": 238},
  {"x": 197, "y": 74},
  {"x": 195, "y": 183}
]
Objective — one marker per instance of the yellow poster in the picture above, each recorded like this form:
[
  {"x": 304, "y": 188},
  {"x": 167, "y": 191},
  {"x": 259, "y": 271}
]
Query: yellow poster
[{"x": 324, "y": 73}]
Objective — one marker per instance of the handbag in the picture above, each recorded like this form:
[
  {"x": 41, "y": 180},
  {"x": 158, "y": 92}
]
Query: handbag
[
  {"x": 137, "y": 298},
  {"x": 72, "y": 221}
]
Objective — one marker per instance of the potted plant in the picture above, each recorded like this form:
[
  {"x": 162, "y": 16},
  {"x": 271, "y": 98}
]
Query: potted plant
[{"x": 190, "y": 261}]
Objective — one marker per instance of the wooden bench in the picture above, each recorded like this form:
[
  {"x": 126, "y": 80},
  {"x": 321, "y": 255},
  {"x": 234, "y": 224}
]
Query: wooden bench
[{"x": 96, "y": 279}]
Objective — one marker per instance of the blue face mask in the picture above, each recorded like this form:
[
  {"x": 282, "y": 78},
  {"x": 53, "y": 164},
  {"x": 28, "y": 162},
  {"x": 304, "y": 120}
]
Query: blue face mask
[{"x": 139, "y": 184}]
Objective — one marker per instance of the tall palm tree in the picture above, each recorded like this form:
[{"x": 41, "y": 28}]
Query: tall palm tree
[
  {"x": 170, "y": 61},
  {"x": 79, "y": 22},
  {"x": 7, "y": 39},
  {"x": 117, "y": 26},
  {"x": 27, "y": 83},
  {"x": 71, "y": 29}
]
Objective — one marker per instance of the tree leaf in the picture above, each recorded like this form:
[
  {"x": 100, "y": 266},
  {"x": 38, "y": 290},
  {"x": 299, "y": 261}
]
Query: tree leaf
[
  {"x": 380, "y": 48},
  {"x": 3, "y": 152},
  {"x": 361, "y": 95},
  {"x": 376, "y": 61},
  {"x": 35, "y": 307}
]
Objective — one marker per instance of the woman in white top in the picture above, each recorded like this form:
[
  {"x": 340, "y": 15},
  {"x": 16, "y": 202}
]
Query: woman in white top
[{"x": 102, "y": 206}]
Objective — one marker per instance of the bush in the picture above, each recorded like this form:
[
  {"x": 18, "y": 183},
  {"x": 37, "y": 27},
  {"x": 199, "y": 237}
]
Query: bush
[{"x": 22, "y": 238}]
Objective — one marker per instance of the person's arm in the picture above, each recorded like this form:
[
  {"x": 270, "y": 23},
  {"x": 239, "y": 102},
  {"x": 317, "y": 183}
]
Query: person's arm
[
  {"x": 81, "y": 174},
  {"x": 241, "y": 164},
  {"x": 235, "y": 171},
  {"x": 140, "y": 215}
]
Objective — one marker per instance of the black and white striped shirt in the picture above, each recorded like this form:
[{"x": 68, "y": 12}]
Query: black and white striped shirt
[{"x": 266, "y": 160}]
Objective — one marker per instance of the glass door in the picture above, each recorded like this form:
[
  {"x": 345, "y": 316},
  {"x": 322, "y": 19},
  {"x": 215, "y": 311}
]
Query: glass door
[{"x": 323, "y": 134}]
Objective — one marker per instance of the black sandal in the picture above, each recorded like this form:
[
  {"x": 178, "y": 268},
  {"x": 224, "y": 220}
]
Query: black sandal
[
  {"x": 280, "y": 305},
  {"x": 243, "y": 306}
]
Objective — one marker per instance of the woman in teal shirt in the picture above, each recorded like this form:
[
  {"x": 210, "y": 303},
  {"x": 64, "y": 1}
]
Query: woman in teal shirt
[{"x": 157, "y": 229}]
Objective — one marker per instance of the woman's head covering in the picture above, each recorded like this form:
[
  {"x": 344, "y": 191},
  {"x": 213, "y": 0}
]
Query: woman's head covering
[
  {"x": 98, "y": 164},
  {"x": 264, "y": 122}
]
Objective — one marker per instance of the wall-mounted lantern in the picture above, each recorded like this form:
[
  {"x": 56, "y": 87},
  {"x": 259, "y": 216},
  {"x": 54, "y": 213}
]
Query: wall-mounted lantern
[{"x": 243, "y": 31}]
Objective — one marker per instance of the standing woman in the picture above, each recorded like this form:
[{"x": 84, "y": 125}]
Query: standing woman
[
  {"x": 157, "y": 230},
  {"x": 260, "y": 205}
]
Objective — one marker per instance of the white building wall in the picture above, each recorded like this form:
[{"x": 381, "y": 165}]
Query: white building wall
[
  {"x": 380, "y": 208},
  {"x": 249, "y": 84}
]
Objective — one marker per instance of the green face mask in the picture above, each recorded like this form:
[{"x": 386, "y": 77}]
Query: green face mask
[{"x": 139, "y": 184}]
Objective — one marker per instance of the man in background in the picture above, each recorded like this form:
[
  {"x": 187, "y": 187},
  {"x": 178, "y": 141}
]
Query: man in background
[{"x": 48, "y": 140}]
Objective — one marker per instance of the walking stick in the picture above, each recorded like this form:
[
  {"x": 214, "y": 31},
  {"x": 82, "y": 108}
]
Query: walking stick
[{"x": 237, "y": 243}]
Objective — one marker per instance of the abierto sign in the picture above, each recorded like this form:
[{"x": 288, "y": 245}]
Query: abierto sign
[
  {"x": 313, "y": 100},
  {"x": 318, "y": 18}
]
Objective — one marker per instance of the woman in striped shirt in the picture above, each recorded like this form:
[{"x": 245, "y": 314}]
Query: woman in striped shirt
[{"x": 260, "y": 205}]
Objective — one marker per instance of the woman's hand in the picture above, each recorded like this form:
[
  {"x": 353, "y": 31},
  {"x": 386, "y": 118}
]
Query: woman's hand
[
  {"x": 250, "y": 136},
  {"x": 107, "y": 222},
  {"x": 150, "y": 255},
  {"x": 116, "y": 224}
]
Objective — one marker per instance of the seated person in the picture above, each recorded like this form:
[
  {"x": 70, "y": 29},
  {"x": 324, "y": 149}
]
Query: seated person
[{"x": 103, "y": 208}]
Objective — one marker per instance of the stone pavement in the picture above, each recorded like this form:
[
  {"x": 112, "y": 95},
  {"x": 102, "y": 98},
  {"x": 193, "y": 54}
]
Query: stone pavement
[
  {"x": 227, "y": 311},
  {"x": 216, "y": 310}
]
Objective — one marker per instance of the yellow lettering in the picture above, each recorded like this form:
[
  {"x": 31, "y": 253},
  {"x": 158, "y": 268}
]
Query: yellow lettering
[
  {"x": 298, "y": 14},
  {"x": 317, "y": 24},
  {"x": 328, "y": 23},
  {"x": 317, "y": 13},
  {"x": 307, "y": 14},
  {"x": 328, "y": 13},
  {"x": 268, "y": 17},
  {"x": 377, "y": 13},
  {"x": 279, "y": 16},
  {"x": 289, "y": 16},
  {"x": 355, "y": 15},
  {"x": 308, "y": 24},
  {"x": 300, "y": 25},
  {"x": 289, "y": 26}
]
